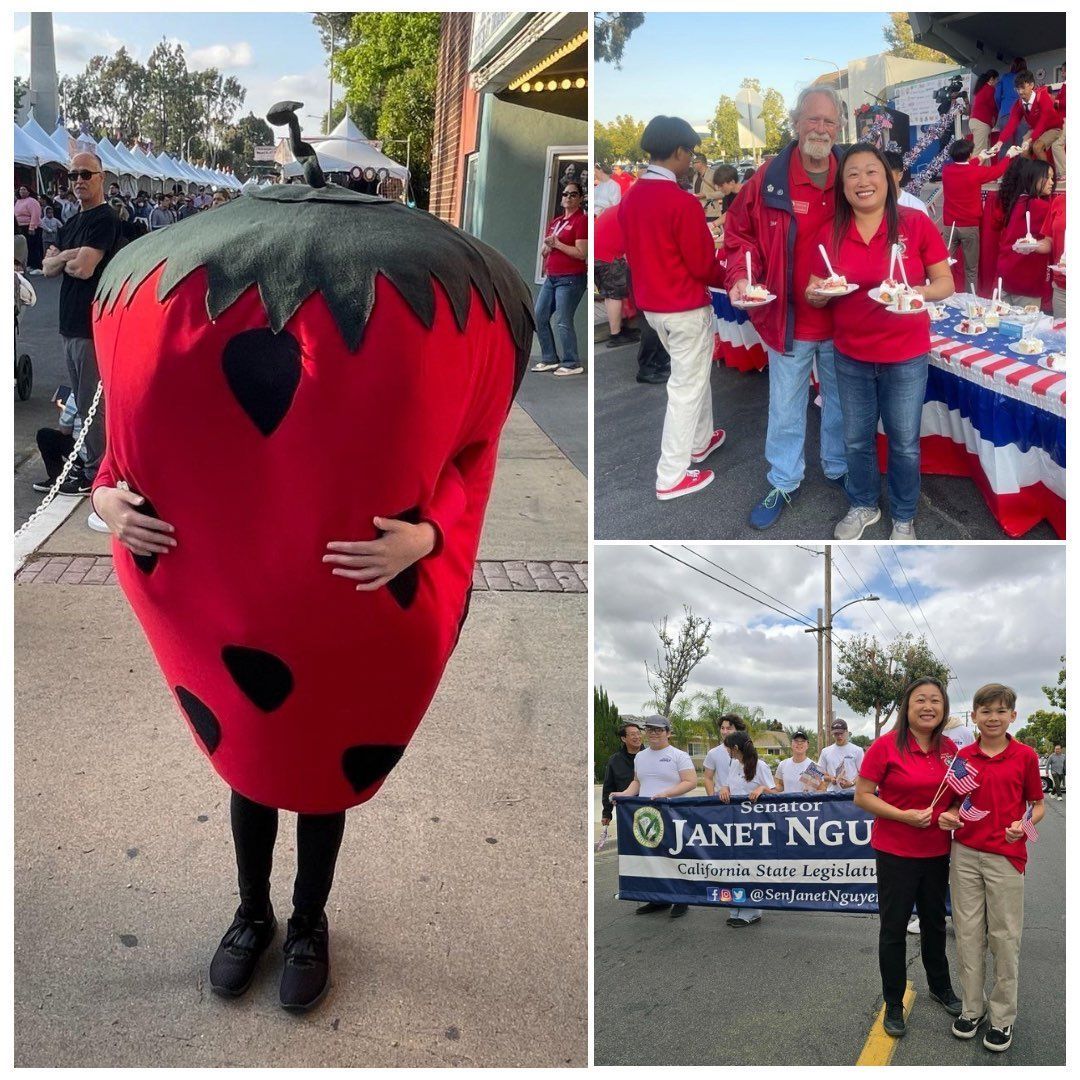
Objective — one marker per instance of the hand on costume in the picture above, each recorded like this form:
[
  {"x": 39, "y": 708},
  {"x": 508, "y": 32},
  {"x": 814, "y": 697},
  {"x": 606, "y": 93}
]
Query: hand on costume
[
  {"x": 139, "y": 533},
  {"x": 375, "y": 562},
  {"x": 1014, "y": 832},
  {"x": 919, "y": 819},
  {"x": 949, "y": 821}
]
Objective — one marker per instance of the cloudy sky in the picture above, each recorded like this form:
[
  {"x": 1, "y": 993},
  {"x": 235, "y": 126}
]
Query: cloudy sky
[
  {"x": 997, "y": 612},
  {"x": 273, "y": 55}
]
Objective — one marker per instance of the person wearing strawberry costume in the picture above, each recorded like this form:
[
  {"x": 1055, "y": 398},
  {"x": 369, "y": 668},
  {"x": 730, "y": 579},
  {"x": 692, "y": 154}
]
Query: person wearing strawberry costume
[{"x": 305, "y": 394}]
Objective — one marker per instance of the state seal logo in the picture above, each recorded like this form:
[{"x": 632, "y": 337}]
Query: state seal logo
[{"x": 648, "y": 826}]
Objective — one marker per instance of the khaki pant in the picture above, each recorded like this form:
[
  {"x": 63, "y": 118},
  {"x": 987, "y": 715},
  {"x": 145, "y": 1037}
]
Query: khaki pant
[
  {"x": 1059, "y": 302},
  {"x": 980, "y": 135},
  {"x": 967, "y": 236},
  {"x": 688, "y": 422},
  {"x": 988, "y": 911},
  {"x": 1054, "y": 141}
]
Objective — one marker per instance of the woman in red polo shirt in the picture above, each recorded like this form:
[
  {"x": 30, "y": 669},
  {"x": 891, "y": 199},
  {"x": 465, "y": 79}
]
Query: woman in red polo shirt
[
  {"x": 881, "y": 357},
  {"x": 1025, "y": 189},
  {"x": 565, "y": 252},
  {"x": 898, "y": 779},
  {"x": 983, "y": 110}
]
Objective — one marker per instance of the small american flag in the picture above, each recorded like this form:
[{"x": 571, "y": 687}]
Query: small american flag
[
  {"x": 969, "y": 812},
  {"x": 961, "y": 777},
  {"x": 1029, "y": 826},
  {"x": 811, "y": 776},
  {"x": 602, "y": 842}
]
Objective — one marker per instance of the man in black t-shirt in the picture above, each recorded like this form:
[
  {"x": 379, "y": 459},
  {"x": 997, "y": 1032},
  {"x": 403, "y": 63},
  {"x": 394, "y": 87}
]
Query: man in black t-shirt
[{"x": 86, "y": 243}]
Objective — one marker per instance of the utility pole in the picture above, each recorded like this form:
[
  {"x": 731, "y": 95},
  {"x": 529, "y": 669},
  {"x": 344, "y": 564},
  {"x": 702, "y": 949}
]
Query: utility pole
[
  {"x": 820, "y": 695},
  {"x": 827, "y": 635}
]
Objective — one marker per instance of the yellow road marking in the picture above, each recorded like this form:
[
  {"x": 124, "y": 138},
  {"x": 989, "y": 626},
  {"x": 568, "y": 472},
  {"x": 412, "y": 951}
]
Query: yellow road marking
[{"x": 879, "y": 1047}]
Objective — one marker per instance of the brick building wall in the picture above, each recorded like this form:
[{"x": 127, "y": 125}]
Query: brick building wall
[{"x": 451, "y": 91}]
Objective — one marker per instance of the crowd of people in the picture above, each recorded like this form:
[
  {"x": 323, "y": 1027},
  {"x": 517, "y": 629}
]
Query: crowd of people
[
  {"x": 799, "y": 243},
  {"x": 929, "y": 835}
]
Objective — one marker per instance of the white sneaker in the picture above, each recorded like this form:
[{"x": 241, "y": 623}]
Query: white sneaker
[
  {"x": 852, "y": 524},
  {"x": 904, "y": 531},
  {"x": 97, "y": 524},
  {"x": 913, "y": 926},
  {"x": 544, "y": 365}
]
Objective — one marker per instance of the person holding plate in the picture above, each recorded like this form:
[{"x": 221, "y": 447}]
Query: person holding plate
[
  {"x": 1023, "y": 202},
  {"x": 881, "y": 353}
]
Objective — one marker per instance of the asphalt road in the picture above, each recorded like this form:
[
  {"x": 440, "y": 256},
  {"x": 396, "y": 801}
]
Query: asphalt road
[
  {"x": 802, "y": 988},
  {"x": 629, "y": 420}
]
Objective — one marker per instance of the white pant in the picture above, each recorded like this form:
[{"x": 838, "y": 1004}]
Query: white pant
[{"x": 688, "y": 422}]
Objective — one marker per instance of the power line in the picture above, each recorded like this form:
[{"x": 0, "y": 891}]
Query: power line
[
  {"x": 899, "y": 596},
  {"x": 927, "y": 621},
  {"x": 757, "y": 588},
  {"x": 698, "y": 570},
  {"x": 868, "y": 613},
  {"x": 884, "y": 611}
]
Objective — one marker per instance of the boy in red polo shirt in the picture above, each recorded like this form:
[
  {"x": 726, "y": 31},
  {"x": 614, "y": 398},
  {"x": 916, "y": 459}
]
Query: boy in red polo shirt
[{"x": 989, "y": 856}]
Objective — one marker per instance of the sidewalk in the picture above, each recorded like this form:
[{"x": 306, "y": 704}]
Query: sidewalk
[{"x": 466, "y": 870}]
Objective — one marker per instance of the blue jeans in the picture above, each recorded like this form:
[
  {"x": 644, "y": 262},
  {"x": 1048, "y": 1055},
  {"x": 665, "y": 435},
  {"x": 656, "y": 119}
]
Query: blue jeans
[
  {"x": 559, "y": 296},
  {"x": 893, "y": 393},
  {"x": 785, "y": 442}
]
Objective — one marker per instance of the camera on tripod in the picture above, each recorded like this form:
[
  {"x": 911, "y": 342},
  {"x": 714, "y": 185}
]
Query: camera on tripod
[{"x": 946, "y": 95}]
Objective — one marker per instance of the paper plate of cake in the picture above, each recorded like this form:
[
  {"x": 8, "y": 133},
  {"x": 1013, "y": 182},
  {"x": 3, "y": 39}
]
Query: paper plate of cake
[
  {"x": 1053, "y": 360},
  {"x": 836, "y": 285},
  {"x": 1028, "y": 346},
  {"x": 970, "y": 327},
  {"x": 754, "y": 297},
  {"x": 1025, "y": 245},
  {"x": 908, "y": 303}
]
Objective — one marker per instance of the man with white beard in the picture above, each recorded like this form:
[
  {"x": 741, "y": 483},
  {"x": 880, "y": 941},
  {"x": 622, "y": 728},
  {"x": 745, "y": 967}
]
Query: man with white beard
[{"x": 775, "y": 220}]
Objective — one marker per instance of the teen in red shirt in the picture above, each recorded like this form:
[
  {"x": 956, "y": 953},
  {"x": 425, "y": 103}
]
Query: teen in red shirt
[
  {"x": 565, "y": 253},
  {"x": 1052, "y": 244},
  {"x": 898, "y": 778},
  {"x": 881, "y": 357},
  {"x": 1035, "y": 105},
  {"x": 1025, "y": 189},
  {"x": 983, "y": 109},
  {"x": 988, "y": 863}
]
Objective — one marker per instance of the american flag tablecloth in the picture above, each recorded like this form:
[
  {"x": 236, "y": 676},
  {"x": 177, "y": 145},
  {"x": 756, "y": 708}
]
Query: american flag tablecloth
[
  {"x": 992, "y": 416},
  {"x": 737, "y": 342}
]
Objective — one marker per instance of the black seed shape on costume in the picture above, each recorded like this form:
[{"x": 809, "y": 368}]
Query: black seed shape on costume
[
  {"x": 264, "y": 679},
  {"x": 263, "y": 371},
  {"x": 403, "y": 587},
  {"x": 146, "y": 563},
  {"x": 366, "y": 765},
  {"x": 202, "y": 719}
]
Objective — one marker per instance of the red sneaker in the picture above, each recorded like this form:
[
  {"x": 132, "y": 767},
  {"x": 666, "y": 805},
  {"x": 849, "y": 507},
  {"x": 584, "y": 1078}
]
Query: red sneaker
[
  {"x": 715, "y": 443},
  {"x": 693, "y": 480}
]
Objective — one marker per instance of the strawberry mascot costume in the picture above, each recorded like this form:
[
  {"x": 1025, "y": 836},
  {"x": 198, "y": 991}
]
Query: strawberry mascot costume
[{"x": 280, "y": 372}]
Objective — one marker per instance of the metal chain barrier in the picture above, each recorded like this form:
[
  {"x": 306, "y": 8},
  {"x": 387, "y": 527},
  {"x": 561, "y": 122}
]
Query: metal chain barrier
[{"x": 69, "y": 464}]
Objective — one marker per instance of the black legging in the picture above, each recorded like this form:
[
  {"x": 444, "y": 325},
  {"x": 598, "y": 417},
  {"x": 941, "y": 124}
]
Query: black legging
[{"x": 318, "y": 840}]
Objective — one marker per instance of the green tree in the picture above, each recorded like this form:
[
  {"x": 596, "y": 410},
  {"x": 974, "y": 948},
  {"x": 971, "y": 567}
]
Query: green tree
[
  {"x": 901, "y": 40},
  {"x": 862, "y": 740},
  {"x": 715, "y": 704},
  {"x": 773, "y": 112},
  {"x": 619, "y": 140},
  {"x": 723, "y": 130},
  {"x": 605, "y": 732},
  {"x": 611, "y": 32},
  {"x": 240, "y": 139},
  {"x": 1046, "y": 727},
  {"x": 677, "y": 658},
  {"x": 872, "y": 676},
  {"x": 388, "y": 66},
  {"x": 21, "y": 87}
]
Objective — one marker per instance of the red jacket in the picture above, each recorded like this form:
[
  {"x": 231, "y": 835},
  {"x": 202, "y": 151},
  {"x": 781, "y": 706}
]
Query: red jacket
[
  {"x": 668, "y": 246},
  {"x": 1042, "y": 116},
  {"x": 961, "y": 190},
  {"x": 762, "y": 221},
  {"x": 1024, "y": 275},
  {"x": 983, "y": 107}
]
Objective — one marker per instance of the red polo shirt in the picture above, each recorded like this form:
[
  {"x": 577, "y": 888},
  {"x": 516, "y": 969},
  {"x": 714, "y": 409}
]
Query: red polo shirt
[
  {"x": 813, "y": 207},
  {"x": 1024, "y": 275},
  {"x": 983, "y": 106},
  {"x": 608, "y": 243},
  {"x": 908, "y": 782},
  {"x": 961, "y": 190},
  {"x": 569, "y": 228},
  {"x": 1007, "y": 783},
  {"x": 863, "y": 329},
  {"x": 1053, "y": 226}
]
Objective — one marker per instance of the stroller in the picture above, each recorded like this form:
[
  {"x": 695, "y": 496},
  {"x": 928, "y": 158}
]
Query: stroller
[{"x": 24, "y": 297}]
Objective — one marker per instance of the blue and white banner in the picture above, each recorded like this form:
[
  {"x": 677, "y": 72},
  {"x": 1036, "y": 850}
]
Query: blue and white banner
[{"x": 803, "y": 852}]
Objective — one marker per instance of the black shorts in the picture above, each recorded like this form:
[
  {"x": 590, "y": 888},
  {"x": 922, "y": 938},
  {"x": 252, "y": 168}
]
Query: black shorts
[{"x": 612, "y": 279}]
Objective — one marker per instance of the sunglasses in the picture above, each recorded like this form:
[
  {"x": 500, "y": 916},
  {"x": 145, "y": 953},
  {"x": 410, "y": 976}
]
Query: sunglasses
[{"x": 83, "y": 174}]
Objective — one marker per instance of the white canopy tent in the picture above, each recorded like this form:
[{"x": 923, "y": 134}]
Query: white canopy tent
[
  {"x": 28, "y": 151},
  {"x": 40, "y": 135},
  {"x": 62, "y": 138},
  {"x": 347, "y": 148}
]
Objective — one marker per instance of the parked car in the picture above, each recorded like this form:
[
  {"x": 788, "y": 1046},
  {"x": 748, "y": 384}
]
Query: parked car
[{"x": 1044, "y": 774}]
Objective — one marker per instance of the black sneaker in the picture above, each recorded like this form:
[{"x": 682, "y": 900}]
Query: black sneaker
[
  {"x": 234, "y": 963},
  {"x": 45, "y": 484},
  {"x": 678, "y": 910},
  {"x": 894, "y": 1021},
  {"x": 649, "y": 908},
  {"x": 998, "y": 1039},
  {"x": 307, "y": 963},
  {"x": 966, "y": 1027},
  {"x": 76, "y": 484},
  {"x": 656, "y": 378},
  {"x": 948, "y": 1001}
]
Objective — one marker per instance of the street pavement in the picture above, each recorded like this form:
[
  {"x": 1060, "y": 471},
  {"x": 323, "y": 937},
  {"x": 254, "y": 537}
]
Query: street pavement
[
  {"x": 459, "y": 913},
  {"x": 802, "y": 988},
  {"x": 629, "y": 419}
]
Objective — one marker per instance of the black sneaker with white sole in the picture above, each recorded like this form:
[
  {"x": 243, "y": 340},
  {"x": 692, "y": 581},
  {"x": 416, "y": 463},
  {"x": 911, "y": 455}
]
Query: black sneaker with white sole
[
  {"x": 76, "y": 484},
  {"x": 967, "y": 1027},
  {"x": 45, "y": 484},
  {"x": 998, "y": 1039}
]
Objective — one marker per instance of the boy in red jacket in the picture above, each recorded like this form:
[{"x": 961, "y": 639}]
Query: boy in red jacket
[
  {"x": 1037, "y": 107},
  {"x": 989, "y": 856},
  {"x": 672, "y": 255}
]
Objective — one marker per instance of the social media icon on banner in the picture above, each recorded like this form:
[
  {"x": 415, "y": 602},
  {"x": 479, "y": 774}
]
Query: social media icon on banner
[
  {"x": 738, "y": 896},
  {"x": 725, "y": 896},
  {"x": 712, "y": 894}
]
